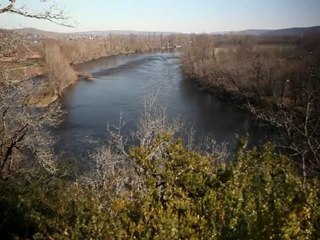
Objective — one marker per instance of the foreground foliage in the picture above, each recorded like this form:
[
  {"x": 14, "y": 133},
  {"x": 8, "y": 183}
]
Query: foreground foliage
[{"x": 182, "y": 195}]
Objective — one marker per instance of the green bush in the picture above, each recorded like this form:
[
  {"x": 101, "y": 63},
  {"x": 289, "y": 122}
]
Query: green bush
[
  {"x": 186, "y": 195},
  {"x": 258, "y": 196}
]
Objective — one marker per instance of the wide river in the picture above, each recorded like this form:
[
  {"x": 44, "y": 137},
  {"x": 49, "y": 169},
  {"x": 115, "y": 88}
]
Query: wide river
[{"x": 120, "y": 85}]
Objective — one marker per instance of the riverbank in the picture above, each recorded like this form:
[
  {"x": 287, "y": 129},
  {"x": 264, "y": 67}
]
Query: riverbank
[
  {"x": 258, "y": 108},
  {"x": 53, "y": 61},
  {"x": 233, "y": 97},
  {"x": 49, "y": 95},
  {"x": 278, "y": 86},
  {"x": 281, "y": 77},
  {"x": 49, "y": 98}
]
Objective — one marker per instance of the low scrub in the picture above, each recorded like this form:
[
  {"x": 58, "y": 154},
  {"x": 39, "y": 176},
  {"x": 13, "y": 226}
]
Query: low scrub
[{"x": 170, "y": 192}]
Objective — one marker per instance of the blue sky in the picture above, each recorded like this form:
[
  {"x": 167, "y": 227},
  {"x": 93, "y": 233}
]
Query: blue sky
[{"x": 174, "y": 15}]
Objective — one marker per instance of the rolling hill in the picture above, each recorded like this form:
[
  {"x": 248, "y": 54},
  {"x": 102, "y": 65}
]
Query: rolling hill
[
  {"x": 275, "y": 32},
  {"x": 299, "y": 31}
]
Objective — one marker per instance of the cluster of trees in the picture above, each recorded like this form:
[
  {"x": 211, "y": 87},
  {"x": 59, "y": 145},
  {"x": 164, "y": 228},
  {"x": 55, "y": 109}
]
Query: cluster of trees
[
  {"x": 277, "y": 72},
  {"x": 279, "y": 84},
  {"x": 25, "y": 140},
  {"x": 82, "y": 50},
  {"x": 12, "y": 45}
]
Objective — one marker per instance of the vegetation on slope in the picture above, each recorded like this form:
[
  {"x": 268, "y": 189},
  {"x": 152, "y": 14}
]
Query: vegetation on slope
[
  {"x": 170, "y": 192},
  {"x": 158, "y": 187}
]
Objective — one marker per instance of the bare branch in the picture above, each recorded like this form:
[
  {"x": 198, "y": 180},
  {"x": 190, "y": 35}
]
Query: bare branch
[
  {"x": 52, "y": 14},
  {"x": 8, "y": 7}
]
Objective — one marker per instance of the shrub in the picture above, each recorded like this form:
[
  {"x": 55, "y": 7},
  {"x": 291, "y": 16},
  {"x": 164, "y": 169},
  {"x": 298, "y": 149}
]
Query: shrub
[
  {"x": 258, "y": 196},
  {"x": 186, "y": 196}
]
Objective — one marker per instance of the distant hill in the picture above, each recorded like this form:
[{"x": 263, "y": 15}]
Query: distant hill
[
  {"x": 34, "y": 31},
  {"x": 41, "y": 33},
  {"x": 275, "y": 32},
  {"x": 293, "y": 31},
  {"x": 252, "y": 32}
]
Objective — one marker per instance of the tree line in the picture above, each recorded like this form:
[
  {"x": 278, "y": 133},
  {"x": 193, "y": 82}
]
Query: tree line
[{"x": 276, "y": 83}]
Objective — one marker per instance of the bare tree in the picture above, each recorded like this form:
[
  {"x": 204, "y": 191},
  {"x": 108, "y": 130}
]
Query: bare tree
[
  {"x": 198, "y": 55},
  {"x": 52, "y": 13},
  {"x": 112, "y": 165},
  {"x": 300, "y": 129},
  {"x": 24, "y": 130},
  {"x": 58, "y": 72},
  {"x": 12, "y": 44},
  {"x": 25, "y": 138}
]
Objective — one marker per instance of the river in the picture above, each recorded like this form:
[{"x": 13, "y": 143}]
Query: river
[{"x": 119, "y": 86}]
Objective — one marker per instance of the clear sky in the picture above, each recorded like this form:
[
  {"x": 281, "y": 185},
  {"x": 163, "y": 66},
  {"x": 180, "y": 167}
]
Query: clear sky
[{"x": 174, "y": 15}]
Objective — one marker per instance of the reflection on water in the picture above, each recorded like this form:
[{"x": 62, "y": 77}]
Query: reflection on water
[{"x": 119, "y": 85}]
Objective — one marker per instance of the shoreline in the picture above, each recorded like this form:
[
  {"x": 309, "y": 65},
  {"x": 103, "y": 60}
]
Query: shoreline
[
  {"x": 45, "y": 102},
  {"x": 235, "y": 98}
]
